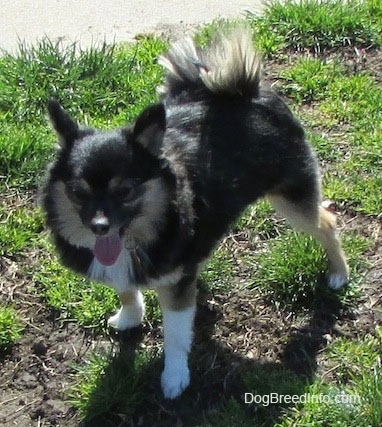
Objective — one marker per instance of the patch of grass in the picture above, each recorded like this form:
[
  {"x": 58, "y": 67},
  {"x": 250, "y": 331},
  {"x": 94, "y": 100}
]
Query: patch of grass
[
  {"x": 103, "y": 81},
  {"x": 258, "y": 219},
  {"x": 75, "y": 297},
  {"x": 291, "y": 269},
  {"x": 102, "y": 86},
  {"x": 369, "y": 387},
  {"x": 327, "y": 148},
  {"x": 110, "y": 381},
  {"x": 153, "y": 312},
  {"x": 230, "y": 414},
  {"x": 24, "y": 150},
  {"x": 218, "y": 272},
  {"x": 274, "y": 379},
  {"x": 354, "y": 397},
  {"x": 355, "y": 172},
  {"x": 322, "y": 24},
  {"x": 353, "y": 99},
  {"x": 291, "y": 272},
  {"x": 10, "y": 327},
  {"x": 19, "y": 228},
  {"x": 271, "y": 382},
  {"x": 325, "y": 410},
  {"x": 268, "y": 41},
  {"x": 309, "y": 79},
  {"x": 209, "y": 32},
  {"x": 356, "y": 101},
  {"x": 355, "y": 185},
  {"x": 263, "y": 383},
  {"x": 315, "y": 24},
  {"x": 353, "y": 358}
]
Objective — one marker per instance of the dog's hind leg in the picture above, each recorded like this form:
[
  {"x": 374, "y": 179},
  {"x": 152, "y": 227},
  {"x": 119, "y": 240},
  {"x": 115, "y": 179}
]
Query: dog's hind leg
[{"x": 307, "y": 215}]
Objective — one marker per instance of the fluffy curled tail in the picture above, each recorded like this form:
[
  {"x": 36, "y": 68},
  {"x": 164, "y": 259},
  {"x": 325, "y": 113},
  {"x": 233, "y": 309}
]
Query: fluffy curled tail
[{"x": 228, "y": 67}]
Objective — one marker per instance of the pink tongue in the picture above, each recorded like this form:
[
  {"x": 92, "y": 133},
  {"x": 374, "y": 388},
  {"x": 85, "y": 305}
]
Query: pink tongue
[{"x": 107, "y": 249}]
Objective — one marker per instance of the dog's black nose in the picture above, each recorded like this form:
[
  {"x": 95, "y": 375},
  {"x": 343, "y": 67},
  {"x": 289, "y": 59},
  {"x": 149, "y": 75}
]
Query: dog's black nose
[
  {"x": 100, "y": 225},
  {"x": 100, "y": 229}
]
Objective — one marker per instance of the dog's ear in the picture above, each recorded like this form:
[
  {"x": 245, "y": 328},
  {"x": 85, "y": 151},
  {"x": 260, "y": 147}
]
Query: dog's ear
[
  {"x": 66, "y": 128},
  {"x": 149, "y": 128}
]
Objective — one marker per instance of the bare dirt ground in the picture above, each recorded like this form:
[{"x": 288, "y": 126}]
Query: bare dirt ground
[{"x": 234, "y": 332}]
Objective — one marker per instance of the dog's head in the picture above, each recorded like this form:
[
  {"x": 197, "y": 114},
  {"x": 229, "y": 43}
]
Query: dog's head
[{"x": 107, "y": 184}]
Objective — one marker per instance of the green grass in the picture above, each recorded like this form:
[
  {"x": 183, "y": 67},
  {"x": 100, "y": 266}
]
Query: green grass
[
  {"x": 73, "y": 296},
  {"x": 320, "y": 24},
  {"x": 19, "y": 228},
  {"x": 292, "y": 272},
  {"x": 102, "y": 86},
  {"x": 110, "y": 381},
  {"x": 353, "y": 400},
  {"x": 24, "y": 150},
  {"x": 316, "y": 25},
  {"x": 218, "y": 273},
  {"x": 357, "y": 385},
  {"x": 107, "y": 86},
  {"x": 153, "y": 314},
  {"x": 11, "y": 327},
  {"x": 309, "y": 24},
  {"x": 309, "y": 79},
  {"x": 257, "y": 219},
  {"x": 105, "y": 81},
  {"x": 355, "y": 100},
  {"x": 351, "y": 100}
]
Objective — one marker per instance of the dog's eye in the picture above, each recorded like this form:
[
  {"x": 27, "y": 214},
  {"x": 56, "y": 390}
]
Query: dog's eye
[
  {"x": 78, "y": 194},
  {"x": 123, "y": 193}
]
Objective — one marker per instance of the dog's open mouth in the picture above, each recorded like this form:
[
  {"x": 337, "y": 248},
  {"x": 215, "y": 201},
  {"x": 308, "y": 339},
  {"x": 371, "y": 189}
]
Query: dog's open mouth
[{"x": 107, "y": 248}]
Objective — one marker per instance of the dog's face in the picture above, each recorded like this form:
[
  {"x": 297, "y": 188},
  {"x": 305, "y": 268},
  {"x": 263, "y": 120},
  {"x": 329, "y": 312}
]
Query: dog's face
[{"x": 109, "y": 180}]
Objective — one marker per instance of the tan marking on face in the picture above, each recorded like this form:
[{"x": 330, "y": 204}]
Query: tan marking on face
[
  {"x": 85, "y": 186},
  {"x": 144, "y": 228},
  {"x": 69, "y": 223}
]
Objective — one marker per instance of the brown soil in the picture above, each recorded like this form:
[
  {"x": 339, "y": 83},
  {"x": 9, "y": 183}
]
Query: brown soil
[{"x": 234, "y": 332}]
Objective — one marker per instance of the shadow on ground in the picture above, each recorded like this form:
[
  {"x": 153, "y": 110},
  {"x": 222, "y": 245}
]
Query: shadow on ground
[{"x": 220, "y": 376}]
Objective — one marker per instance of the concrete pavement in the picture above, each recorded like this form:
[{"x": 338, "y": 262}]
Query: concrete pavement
[{"x": 94, "y": 21}]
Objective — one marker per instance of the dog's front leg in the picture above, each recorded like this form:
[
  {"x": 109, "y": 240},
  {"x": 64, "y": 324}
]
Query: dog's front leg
[
  {"x": 178, "y": 305},
  {"x": 131, "y": 312}
]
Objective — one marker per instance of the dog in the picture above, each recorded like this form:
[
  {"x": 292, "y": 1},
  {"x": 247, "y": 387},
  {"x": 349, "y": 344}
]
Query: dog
[{"x": 144, "y": 206}]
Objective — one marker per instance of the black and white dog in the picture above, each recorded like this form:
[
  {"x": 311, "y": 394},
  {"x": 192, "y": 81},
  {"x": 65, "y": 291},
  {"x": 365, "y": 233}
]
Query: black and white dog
[{"x": 143, "y": 206}]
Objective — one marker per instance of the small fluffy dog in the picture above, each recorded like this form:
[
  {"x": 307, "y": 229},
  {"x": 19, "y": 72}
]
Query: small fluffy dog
[{"x": 143, "y": 206}]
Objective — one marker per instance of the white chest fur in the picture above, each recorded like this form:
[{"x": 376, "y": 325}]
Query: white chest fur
[{"x": 120, "y": 275}]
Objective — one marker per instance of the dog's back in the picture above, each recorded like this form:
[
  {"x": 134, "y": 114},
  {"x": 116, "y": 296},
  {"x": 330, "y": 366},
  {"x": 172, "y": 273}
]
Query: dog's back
[{"x": 234, "y": 140}]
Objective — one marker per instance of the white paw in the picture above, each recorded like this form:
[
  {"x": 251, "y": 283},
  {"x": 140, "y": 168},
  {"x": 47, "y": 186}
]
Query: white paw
[
  {"x": 174, "y": 382},
  {"x": 126, "y": 317},
  {"x": 338, "y": 280}
]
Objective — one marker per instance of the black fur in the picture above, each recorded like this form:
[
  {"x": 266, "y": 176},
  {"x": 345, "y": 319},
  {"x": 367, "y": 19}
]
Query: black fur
[
  {"x": 231, "y": 152},
  {"x": 220, "y": 152}
]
